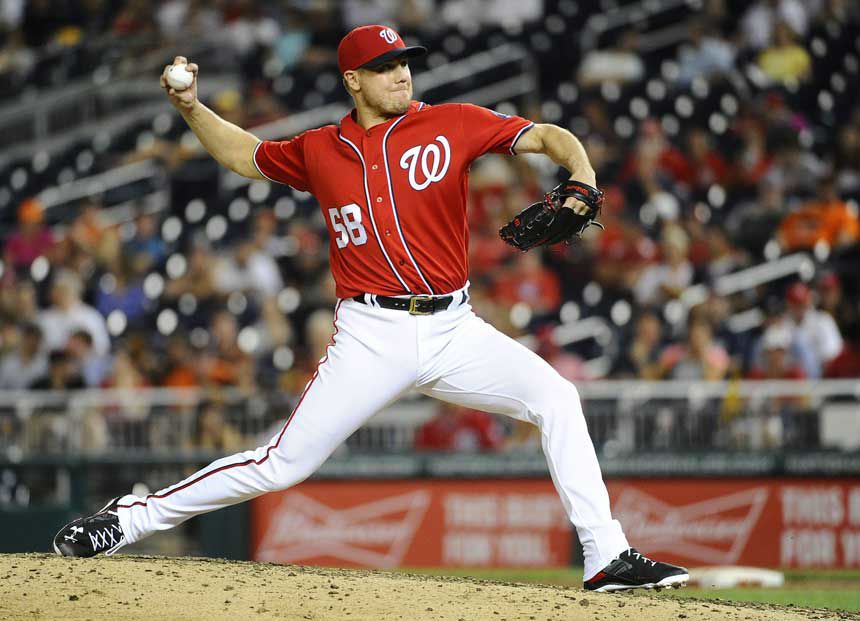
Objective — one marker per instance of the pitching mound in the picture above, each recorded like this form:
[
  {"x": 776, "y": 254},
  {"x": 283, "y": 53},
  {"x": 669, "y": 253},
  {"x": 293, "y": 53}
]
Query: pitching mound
[{"x": 40, "y": 586}]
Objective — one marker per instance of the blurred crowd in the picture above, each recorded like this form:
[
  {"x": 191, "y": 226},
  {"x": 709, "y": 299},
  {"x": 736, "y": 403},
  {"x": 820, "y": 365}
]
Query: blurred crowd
[
  {"x": 51, "y": 41},
  {"x": 95, "y": 302}
]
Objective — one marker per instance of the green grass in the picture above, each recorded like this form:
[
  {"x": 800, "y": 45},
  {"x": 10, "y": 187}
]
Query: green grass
[
  {"x": 834, "y": 599},
  {"x": 836, "y": 590},
  {"x": 806, "y": 575}
]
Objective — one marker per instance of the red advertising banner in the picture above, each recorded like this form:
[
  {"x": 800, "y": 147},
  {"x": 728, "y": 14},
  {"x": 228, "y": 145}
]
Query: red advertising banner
[
  {"x": 432, "y": 523},
  {"x": 805, "y": 523}
]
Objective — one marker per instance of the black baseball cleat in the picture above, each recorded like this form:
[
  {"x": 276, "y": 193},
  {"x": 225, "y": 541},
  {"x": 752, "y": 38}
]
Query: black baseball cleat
[
  {"x": 95, "y": 534},
  {"x": 632, "y": 570}
]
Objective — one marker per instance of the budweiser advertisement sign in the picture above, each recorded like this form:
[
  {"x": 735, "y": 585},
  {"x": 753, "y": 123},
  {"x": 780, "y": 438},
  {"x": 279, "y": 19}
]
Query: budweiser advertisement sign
[
  {"x": 805, "y": 523},
  {"x": 413, "y": 523}
]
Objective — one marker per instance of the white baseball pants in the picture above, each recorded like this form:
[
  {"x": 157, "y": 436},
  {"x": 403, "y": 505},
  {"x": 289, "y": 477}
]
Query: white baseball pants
[{"x": 377, "y": 355}]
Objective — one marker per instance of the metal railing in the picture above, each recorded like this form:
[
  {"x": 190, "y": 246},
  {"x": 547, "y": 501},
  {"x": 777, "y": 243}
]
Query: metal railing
[
  {"x": 629, "y": 15},
  {"x": 624, "y": 417},
  {"x": 45, "y": 118}
]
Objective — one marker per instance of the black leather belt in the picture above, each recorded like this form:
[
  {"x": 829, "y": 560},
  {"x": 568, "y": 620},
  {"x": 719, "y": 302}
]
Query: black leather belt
[{"x": 415, "y": 305}]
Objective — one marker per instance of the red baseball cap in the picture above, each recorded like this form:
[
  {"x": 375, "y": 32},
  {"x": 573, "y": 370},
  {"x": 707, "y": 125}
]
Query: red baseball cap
[
  {"x": 370, "y": 46},
  {"x": 829, "y": 281}
]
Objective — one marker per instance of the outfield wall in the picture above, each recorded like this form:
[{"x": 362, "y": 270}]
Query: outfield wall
[{"x": 800, "y": 523}]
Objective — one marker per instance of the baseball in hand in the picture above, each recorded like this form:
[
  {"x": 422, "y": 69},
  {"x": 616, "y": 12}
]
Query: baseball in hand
[{"x": 179, "y": 78}]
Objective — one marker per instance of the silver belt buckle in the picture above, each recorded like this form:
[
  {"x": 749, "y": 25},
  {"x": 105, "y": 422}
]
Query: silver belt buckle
[{"x": 413, "y": 304}]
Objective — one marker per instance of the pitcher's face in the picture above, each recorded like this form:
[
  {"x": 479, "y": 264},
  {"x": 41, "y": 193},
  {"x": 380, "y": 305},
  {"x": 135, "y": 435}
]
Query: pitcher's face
[{"x": 386, "y": 89}]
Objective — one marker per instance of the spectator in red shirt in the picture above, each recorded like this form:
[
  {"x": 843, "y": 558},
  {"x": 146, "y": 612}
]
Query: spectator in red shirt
[
  {"x": 652, "y": 145},
  {"x": 135, "y": 18},
  {"x": 623, "y": 249},
  {"x": 708, "y": 166},
  {"x": 847, "y": 363},
  {"x": 834, "y": 300},
  {"x": 784, "y": 414},
  {"x": 530, "y": 282},
  {"x": 32, "y": 239},
  {"x": 753, "y": 160},
  {"x": 460, "y": 429},
  {"x": 488, "y": 212}
]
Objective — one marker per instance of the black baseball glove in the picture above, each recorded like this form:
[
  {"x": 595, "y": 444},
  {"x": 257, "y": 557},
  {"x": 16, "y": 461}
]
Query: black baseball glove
[{"x": 546, "y": 223}]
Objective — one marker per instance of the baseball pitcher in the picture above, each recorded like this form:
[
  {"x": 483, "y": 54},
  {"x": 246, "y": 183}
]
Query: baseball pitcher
[{"x": 391, "y": 179}]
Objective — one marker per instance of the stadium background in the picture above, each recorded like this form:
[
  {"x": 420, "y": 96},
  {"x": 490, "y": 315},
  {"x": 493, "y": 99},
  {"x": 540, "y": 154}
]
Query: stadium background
[{"x": 156, "y": 312}]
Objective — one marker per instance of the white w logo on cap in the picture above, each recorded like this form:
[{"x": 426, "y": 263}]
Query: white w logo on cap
[{"x": 389, "y": 35}]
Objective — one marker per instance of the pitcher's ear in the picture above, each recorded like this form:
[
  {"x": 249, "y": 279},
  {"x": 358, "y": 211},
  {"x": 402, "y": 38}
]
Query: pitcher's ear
[{"x": 351, "y": 82}]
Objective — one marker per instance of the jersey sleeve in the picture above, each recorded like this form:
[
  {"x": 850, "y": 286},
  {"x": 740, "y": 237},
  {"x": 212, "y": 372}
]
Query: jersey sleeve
[
  {"x": 487, "y": 131},
  {"x": 283, "y": 161}
]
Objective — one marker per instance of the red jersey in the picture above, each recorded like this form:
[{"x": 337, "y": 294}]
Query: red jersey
[{"x": 394, "y": 196}]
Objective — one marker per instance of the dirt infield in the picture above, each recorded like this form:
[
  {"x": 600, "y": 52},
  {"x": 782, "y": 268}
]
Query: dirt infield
[{"x": 40, "y": 586}]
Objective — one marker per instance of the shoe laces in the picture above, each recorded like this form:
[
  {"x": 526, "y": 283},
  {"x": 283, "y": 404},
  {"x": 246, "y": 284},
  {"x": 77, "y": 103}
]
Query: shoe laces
[
  {"x": 110, "y": 536},
  {"x": 641, "y": 557}
]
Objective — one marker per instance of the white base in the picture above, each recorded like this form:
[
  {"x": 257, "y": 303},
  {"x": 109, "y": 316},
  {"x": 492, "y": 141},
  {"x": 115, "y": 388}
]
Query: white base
[{"x": 727, "y": 577}]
